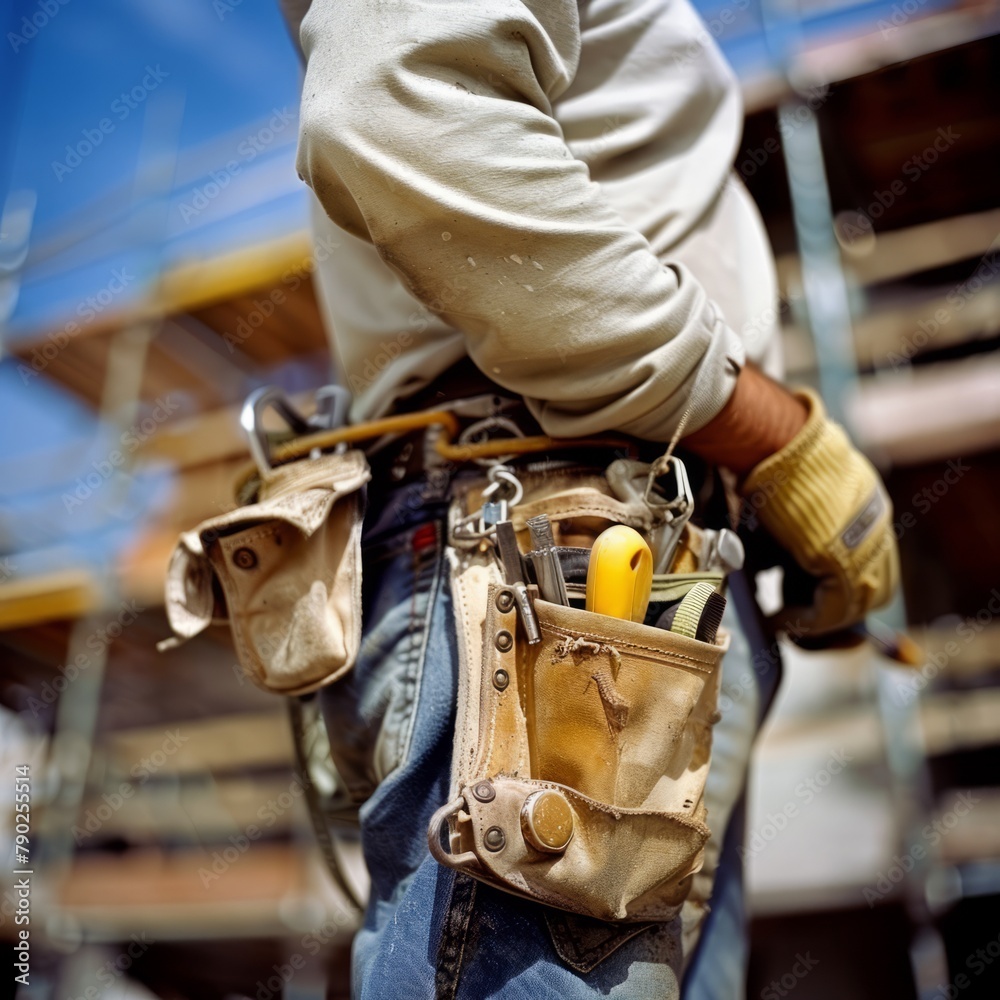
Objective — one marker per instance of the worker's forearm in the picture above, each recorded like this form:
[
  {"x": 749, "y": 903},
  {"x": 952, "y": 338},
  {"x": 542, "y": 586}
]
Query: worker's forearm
[{"x": 760, "y": 418}]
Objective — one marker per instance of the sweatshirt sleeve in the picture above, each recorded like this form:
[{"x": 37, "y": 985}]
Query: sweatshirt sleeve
[{"x": 427, "y": 130}]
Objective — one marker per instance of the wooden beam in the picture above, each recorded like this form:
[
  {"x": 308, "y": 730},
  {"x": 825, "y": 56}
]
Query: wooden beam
[
  {"x": 902, "y": 252},
  {"x": 70, "y": 593},
  {"x": 221, "y": 744},
  {"x": 851, "y": 55},
  {"x": 173, "y": 895},
  {"x": 930, "y": 413}
]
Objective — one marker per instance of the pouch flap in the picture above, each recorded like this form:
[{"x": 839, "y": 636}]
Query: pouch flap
[
  {"x": 285, "y": 571},
  {"x": 620, "y": 864}
]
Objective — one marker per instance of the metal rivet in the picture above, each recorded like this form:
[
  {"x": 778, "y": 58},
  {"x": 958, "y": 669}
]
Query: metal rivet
[
  {"x": 501, "y": 679},
  {"x": 503, "y": 640},
  {"x": 505, "y": 601},
  {"x": 494, "y": 839},
  {"x": 245, "y": 558},
  {"x": 484, "y": 791}
]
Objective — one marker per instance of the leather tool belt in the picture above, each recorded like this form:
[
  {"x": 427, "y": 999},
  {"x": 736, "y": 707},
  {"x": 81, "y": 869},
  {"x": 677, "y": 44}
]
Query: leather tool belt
[
  {"x": 580, "y": 761},
  {"x": 580, "y": 758}
]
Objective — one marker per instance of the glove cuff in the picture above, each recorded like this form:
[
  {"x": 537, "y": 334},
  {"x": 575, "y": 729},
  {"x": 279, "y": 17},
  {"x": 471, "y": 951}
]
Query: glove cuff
[{"x": 804, "y": 493}]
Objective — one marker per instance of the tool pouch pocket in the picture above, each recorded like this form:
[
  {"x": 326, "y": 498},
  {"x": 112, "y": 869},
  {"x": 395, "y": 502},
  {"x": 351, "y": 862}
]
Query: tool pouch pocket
[
  {"x": 285, "y": 572},
  {"x": 579, "y": 781}
]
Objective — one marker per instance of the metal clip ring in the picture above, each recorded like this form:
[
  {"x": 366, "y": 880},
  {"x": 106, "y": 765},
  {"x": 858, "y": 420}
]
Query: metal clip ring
[
  {"x": 500, "y": 476},
  {"x": 439, "y": 854}
]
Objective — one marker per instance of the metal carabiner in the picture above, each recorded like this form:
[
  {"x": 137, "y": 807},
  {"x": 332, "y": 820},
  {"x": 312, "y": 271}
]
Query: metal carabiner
[
  {"x": 257, "y": 402},
  {"x": 677, "y": 512},
  {"x": 504, "y": 491}
]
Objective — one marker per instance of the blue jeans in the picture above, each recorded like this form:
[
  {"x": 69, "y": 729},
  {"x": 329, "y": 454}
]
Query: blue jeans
[{"x": 432, "y": 933}]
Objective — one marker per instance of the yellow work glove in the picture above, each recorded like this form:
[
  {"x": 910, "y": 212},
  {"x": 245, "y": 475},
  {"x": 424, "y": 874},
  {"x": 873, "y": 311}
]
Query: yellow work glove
[{"x": 825, "y": 504}]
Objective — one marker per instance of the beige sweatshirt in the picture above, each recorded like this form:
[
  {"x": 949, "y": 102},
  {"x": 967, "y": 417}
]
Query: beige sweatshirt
[{"x": 532, "y": 183}]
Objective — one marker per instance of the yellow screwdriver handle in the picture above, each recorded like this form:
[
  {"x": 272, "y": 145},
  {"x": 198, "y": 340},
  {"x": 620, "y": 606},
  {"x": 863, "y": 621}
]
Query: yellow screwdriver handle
[{"x": 620, "y": 574}]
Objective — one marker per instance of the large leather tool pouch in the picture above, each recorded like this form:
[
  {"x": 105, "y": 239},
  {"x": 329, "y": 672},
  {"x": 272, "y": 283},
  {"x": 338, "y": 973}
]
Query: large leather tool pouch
[
  {"x": 580, "y": 761},
  {"x": 285, "y": 572}
]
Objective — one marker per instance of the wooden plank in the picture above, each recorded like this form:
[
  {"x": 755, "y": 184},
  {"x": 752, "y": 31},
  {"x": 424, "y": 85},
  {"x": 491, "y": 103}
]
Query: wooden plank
[
  {"x": 247, "y": 740},
  {"x": 961, "y": 720},
  {"x": 171, "y": 895},
  {"x": 930, "y": 413},
  {"x": 852, "y": 56},
  {"x": 210, "y": 810},
  {"x": 949, "y": 721},
  {"x": 903, "y": 252},
  {"x": 892, "y": 336},
  {"x": 212, "y": 436},
  {"x": 973, "y": 655},
  {"x": 969, "y": 823},
  {"x": 69, "y": 593}
]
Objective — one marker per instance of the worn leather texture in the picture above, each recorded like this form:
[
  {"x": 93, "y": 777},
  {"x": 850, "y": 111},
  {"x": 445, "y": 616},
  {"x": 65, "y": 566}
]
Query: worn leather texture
[
  {"x": 284, "y": 572},
  {"x": 615, "y": 715}
]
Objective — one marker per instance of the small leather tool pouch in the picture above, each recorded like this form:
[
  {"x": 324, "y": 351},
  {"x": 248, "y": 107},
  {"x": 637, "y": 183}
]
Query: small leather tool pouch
[
  {"x": 580, "y": 761},
  {"x": 285, "y": 572}
]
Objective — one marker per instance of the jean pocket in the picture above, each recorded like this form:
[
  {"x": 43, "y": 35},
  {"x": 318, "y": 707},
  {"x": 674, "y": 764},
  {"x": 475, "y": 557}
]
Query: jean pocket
[{"x": 370, "y": 716}]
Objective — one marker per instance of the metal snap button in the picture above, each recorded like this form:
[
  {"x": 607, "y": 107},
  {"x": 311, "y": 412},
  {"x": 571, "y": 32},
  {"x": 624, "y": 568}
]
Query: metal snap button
[
  {"x": 245, "y": 558},
  {"x": 503, "y": 640},
  {"x": 547, "y": 821},
  {"x": 484, "y": 791},
  {"x": 504, "y": 601},
  {"x": 501, "y": 679},
  {"x": 494, "y": 839}
]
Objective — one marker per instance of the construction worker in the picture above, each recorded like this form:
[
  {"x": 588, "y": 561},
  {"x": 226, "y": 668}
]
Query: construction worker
[{"x": 536, "y": 198}]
